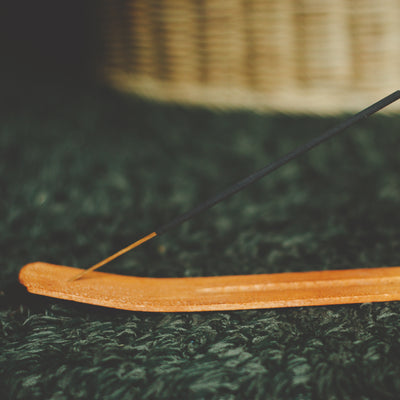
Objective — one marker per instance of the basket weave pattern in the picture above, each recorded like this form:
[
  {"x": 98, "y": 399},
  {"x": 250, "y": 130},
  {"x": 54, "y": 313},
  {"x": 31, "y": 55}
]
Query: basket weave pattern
[{"x": 284, "y": 55}]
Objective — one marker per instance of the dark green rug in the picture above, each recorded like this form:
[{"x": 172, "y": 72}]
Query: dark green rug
[{"x": 84, "y": 172}]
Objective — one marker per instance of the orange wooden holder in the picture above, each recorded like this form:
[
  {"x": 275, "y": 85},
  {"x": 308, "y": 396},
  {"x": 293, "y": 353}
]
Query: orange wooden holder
[{"x": 239, "y": 292}]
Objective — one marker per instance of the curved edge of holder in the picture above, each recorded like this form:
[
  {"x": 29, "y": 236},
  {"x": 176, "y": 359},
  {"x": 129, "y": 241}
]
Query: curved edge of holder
[{"x": 219, "y": 293}]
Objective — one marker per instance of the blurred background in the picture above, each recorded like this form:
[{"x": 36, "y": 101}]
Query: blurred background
[
  {"x": 49, "y": 41},
  {"x": 307, "y": 56}
]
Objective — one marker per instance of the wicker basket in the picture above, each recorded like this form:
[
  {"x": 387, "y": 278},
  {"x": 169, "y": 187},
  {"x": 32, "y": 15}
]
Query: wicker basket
[{"x": 282, "y": 55}]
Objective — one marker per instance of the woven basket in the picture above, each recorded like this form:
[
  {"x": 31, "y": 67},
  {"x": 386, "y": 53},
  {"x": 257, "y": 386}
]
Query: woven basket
[{"x": 282, "y": 55}]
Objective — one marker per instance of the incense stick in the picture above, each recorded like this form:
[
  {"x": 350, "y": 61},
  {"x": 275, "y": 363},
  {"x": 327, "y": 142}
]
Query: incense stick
[{"x": 254, "y": 177}]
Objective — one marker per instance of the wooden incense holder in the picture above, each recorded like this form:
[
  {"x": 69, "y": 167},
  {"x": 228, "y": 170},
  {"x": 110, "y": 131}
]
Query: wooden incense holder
[{"x": 240, "y": 292}]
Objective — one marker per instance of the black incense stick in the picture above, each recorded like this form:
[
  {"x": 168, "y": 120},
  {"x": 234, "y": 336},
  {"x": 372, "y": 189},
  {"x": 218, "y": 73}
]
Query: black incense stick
[{"x": 240, "y": 185}]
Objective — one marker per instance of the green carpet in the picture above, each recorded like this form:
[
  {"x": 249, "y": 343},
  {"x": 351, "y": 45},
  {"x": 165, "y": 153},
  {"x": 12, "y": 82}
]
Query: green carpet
[{"x": 84, "y": 172}]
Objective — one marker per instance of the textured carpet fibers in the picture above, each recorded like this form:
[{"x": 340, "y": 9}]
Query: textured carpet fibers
[{"x": 85, "y": 172}]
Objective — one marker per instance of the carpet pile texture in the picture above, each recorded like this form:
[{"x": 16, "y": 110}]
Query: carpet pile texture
[{"x": 84, "y": 172}]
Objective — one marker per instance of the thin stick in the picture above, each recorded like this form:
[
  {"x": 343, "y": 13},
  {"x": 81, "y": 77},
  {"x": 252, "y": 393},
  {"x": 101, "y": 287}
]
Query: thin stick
[
  {"x": 240, "y": 185},
  {"x": 115, "y": 255}
]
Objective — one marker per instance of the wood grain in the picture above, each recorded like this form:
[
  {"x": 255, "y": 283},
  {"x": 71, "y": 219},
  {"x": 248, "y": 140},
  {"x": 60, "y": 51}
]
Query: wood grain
[{"x": 239, "y": 292}]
